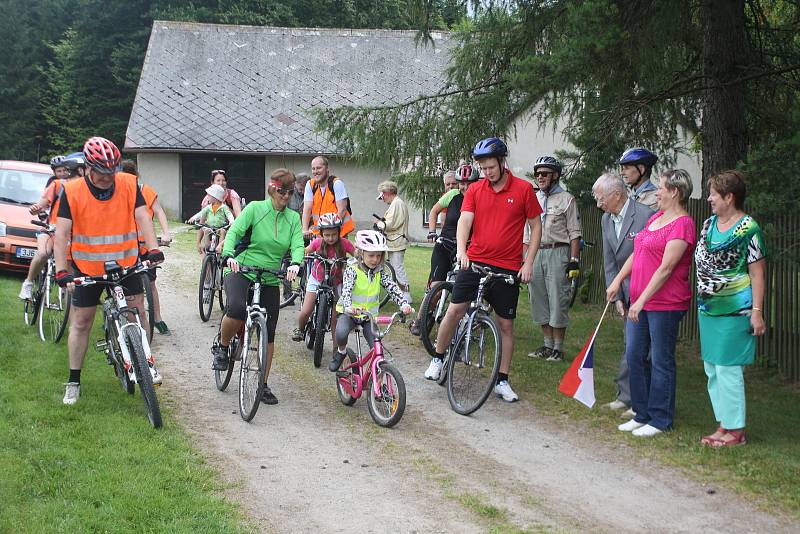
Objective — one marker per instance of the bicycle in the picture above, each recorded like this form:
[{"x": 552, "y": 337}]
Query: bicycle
[
  {"x": 249, "y": 346},
  {"x": 125, "y": 340},
  {"x": 149, "y": 304},
  {"x": 291, "y": 291},
  {"x": 434, "y": 304},
  {"x": 30, "y": 307},
  {"x": 319, "y": 323},
  {"x": 386, "y": 388},
  {"x": 473, "y": 357},
  {"x": 210, "y": 274},
  {"x": 51, "y": 300}
]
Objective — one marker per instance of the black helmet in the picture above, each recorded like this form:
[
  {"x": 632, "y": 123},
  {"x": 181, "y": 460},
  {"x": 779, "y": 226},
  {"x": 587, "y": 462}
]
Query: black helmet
[
  {"x": 490, "y": 148},
  {"x": 547, "y": 161},
  {"x": 57, "y": 161},
  {"x": 636, "y": 155}
]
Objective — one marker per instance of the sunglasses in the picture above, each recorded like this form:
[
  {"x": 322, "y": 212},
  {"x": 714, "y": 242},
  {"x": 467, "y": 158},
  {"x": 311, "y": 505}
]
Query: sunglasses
[
  {"x": 543, "y": 173},
  {"x": 218, "y": 171},
  {"x": 282, "y": 191}
]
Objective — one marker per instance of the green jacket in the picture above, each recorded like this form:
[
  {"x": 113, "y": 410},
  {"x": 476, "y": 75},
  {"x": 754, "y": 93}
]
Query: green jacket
[{"x": 260, "y": 236}]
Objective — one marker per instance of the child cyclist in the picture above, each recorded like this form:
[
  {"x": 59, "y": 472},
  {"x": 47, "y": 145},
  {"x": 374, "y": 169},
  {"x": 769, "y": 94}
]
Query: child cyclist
[
  {"x": 331, "y": 246},
  {"x": 361, "y": 288},
  {"x": 216, "y": 214}
]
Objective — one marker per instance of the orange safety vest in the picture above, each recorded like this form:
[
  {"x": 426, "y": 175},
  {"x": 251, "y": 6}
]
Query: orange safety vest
[
  {"x": 150, "y": 196},
  {"x": 103, "y": 230},
  {"x": 326, "y": 203},
  {"x": 54, "y": 189}
]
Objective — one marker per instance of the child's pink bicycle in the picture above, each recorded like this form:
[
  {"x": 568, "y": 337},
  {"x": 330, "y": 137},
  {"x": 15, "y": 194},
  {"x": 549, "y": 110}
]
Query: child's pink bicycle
[{"x": 386, "y": 389}]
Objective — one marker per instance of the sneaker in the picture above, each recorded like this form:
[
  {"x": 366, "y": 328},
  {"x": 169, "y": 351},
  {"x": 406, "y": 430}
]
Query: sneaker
[
  {"x": 542, "y": 352},
  {"x": 615, "y": 405},
  {"x": 162, "y": 328},
  {"x": 268, "y": 397},
  {"x": 414, "y": 328},
  {"x": 220, "y": 354},
  {"x": 434, "y": 369},
  {"x": 336, "y": 361},
  {"x": 154, "y": 372},
  {"x": 26, "y": 293},
  {"x": 555, "y": 356},
  {"x": 630, "y": 426},
  {"x": 647, "y": 431},
  {"x": 628, "y": 414},
  {"x": 72, "y": 393},
  {"x": 297, "y": 335},
  {"x": 503, "y": 390}
]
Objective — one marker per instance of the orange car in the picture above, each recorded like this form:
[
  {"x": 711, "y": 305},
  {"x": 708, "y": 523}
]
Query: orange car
[{"x": 21, "y": 184}]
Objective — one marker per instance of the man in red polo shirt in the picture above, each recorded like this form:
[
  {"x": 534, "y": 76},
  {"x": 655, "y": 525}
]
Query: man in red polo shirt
[{"x": 495, "y": 212}]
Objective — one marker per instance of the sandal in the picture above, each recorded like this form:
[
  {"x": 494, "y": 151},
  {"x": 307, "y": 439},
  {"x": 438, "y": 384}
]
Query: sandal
[
  {"x": 737, "y": 438},
  {"x": 711, "y": 438}
]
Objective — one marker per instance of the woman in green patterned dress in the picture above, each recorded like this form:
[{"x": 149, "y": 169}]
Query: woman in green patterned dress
[{"x": 730, "y": 260}]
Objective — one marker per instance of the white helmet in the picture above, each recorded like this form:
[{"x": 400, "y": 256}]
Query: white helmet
[
  {"x": 371, "y": 241},
  {"x": 216, "y": 191}
]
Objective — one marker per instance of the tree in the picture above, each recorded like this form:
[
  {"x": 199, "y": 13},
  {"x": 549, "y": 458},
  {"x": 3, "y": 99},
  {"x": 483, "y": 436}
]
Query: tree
[{"x": 618, "y": 73}]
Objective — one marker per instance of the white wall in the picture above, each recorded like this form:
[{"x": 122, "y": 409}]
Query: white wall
[{"x": 162, "y": 171}]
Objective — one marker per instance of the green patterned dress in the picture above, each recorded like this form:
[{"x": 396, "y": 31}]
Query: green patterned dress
[{"x": 724, "y": 291}]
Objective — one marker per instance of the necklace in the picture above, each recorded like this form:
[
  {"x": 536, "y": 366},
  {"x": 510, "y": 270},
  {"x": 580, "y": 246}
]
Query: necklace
[{"x": 730, "y": 220}]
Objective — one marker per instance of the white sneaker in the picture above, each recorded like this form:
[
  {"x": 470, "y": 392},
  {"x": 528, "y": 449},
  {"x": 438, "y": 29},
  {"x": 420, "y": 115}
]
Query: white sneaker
[
  {"x": 155, "y": 374},
  {"x": 646, "y": 431},
  {"x": 72, "y": 393},
  {"x": 504, "y": 391},
  {"x": 26, "y": 293},
  {"x": 434, "y": 369},
  {"x": 630, "y": 426},
  {"x": 615, "y": 405}
]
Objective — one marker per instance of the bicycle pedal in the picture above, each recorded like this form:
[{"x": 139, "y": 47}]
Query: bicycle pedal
[{"x": 101, "y": 345}]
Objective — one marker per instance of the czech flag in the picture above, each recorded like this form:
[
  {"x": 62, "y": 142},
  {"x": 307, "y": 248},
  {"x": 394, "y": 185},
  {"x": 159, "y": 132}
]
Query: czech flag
[{"x": 578, "y": 381}]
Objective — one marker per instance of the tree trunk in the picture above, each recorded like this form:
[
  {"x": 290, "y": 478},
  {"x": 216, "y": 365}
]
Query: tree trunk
[{"x": 725, "y": 53}]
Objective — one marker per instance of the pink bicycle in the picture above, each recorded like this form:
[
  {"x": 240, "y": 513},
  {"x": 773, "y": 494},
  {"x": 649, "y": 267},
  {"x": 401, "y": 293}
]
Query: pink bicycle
[{"x": 384, "y": 383}]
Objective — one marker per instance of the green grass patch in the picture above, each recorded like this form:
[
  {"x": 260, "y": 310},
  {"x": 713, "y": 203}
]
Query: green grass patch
[
  {"x": 765, "y": 469},
  {"x": 97, "y": 466}
]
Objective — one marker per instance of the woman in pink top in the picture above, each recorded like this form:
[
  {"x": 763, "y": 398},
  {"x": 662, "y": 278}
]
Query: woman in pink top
[
  {"x": 232, "y": 198},
  {"x": 660, "y": 294}
]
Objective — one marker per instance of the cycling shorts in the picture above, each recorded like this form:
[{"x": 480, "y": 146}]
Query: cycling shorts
[
  {"x": 89, "y": 296},
  {"x": 441, "y": 262},
  {"x": 501, "y": 296},
  {"x": 238, "y": 290}
]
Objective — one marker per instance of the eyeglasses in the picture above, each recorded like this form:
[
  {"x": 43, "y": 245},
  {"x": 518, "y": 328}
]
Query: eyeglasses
[
  {"x": 218, "y": 171},
  {"x": 283, "y": 192},
  {"x": 543, "y": 173}
]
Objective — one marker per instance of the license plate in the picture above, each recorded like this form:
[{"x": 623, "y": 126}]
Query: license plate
[{"x": 28, "y": 253}]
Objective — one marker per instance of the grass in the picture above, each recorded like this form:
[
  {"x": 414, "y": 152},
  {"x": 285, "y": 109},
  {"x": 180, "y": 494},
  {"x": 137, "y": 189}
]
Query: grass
[
  {"x": 765, "y": 470},
  {"x": 97, "y": 466}
]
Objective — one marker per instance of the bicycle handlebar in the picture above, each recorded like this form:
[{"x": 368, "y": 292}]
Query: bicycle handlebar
[
  {"x": 214, "y": 228},
  {"x": 490, "y": 274},
  {"x": 261, "y": 270},
  {"x": 106, "y": 279},
  {"x": 318, "y": 257},
  {"x": 49, "y": 228}
]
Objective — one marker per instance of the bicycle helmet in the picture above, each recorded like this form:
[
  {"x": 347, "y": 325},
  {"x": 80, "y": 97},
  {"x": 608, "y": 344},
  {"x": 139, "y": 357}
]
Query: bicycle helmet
[
  {"x": 637, "y": 155},
  {"x": 490, "y": 148},
  {"x": 329, "y": 220},
  {"x": 73, "y": 161},
  {"x": 57, "y": 161},
  {"x": 101, "y": 155},
  {"x": 467, "y": 173},
  {"x": 371, "y": 241},
  {"x": 216, "y": 191},
  {"x": 549, "y": 162}
]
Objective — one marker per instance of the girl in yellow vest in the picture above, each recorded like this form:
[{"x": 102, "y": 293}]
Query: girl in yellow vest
[{"x": 361, "y": 288}]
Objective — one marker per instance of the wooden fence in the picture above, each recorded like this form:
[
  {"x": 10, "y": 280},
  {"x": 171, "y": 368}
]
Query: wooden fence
[{"x": 780, "y": 346}]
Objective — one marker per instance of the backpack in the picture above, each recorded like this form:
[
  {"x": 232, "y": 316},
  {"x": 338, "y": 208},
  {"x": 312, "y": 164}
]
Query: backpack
[{"x": 331, "y": 179}]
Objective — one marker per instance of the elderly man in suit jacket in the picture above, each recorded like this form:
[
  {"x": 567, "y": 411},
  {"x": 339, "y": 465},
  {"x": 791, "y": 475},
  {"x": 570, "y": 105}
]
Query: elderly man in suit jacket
[{"x": 622, "y": 220}]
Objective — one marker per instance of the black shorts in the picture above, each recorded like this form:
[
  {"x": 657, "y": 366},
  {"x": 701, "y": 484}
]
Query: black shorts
[
  {"x": 89, "y": 296},
  {"x": 237, "y": 291},
  {"x": 501, "y": 296},
  {"x": 441, "y": 262},
  {"x": 151, "y": 273}
]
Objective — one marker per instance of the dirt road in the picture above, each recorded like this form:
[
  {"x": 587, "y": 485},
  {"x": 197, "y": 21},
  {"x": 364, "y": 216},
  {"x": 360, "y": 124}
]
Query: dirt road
[{"x": 310, "y": 464}]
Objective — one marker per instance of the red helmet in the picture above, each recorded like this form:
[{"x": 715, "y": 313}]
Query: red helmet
[{"x": 102, "y": 155}]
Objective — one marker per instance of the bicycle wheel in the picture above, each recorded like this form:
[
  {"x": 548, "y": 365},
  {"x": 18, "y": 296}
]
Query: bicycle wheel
[
  {"x": 220, "y": 288},
  {"x": 53, "y": 311},
  {"x": 432, "y": 311},
  {"x": 114, "y": 356},
  {"x": 253, "y": 368},
  {"x": 290, "y": 291},
  {"x": 346, "y": 381},
  {"x": 149, "y": 307},
  {"x": 205, "y": 289},
  {"x": 472, "y": 369},
  {"x": 143, "y": 377},
  {"x": 223, "y": 378},
  {"x": 31, "y": 306},
  {"x": 287, "y": 288},
  {"x": 387, "y": 407},
  {"x": 385, "y": 297},
  {"x": 321, "y": 323}
]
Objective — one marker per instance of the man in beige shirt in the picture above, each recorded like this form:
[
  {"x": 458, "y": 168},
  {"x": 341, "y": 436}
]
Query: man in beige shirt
[{"x": 557, "y": 261}]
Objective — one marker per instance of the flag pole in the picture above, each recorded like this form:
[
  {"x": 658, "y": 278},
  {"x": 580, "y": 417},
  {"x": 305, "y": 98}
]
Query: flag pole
[{"x": 602, "y": 317}]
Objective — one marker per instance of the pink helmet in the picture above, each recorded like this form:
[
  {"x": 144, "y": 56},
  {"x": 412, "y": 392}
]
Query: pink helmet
[
  {"x": 329, "y": 220},
  {"x": 371, "y": 241},
  {"x": 101, "y": 155}
]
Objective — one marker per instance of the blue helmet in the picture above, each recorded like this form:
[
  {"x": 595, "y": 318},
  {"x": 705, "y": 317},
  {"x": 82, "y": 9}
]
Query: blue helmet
[
  {"x": 490, "y": 148},
  {"x": 547, "y": 161},
  {"x": 73, "y": 161},
  {"x": 637, "y": 155}
]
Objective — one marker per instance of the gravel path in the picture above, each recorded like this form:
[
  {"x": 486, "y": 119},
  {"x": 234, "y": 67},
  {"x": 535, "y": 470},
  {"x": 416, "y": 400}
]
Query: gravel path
[{"x": 311, "y": 464}]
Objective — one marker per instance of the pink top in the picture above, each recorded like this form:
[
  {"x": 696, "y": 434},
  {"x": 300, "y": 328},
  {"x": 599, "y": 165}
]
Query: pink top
[
  {"x": 318, "y": 270},
  {"x": 648, "y": 251}
]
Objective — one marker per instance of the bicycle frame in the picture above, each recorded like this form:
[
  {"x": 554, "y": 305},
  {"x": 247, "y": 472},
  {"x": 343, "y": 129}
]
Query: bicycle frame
[{"x": 361, "y": 371}]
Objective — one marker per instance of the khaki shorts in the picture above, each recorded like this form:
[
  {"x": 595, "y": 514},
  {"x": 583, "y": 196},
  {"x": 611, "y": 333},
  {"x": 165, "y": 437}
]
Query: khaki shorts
[{"x": 549, "y": 291}]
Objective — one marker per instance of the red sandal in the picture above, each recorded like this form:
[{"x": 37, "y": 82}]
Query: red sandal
[
  {"x": 738, "y": 436},
  {"x": 710, "y": 439}
]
